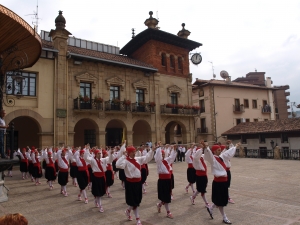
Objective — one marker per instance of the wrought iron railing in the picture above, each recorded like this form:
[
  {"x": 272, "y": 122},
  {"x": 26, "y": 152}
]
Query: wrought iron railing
[
  {"x": 90, "y": 104},
  {"x": 238, "y": 108},
  {"x": 147, "y": 108},
  {"x": 179, "y": 111},
  {"x": 116, "y": 106},
  {"x": 266, "y": 109},
  {"x": 269, "y": 153},
  {"x": 202, "y": 130}
]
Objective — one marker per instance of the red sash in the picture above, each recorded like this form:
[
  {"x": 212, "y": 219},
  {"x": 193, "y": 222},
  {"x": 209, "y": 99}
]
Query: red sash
[
  {"x": 135, "y": 163},
  {"x": 203, "y": 164},
  {"x": 83, "y": 167},
  {"x": 220, "y": 179},
  {"x": 166, "y": 165},
  {"x": 101, "y": 173}
]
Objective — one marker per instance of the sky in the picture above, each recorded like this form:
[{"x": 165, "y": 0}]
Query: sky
[{"x": 237, "y": 36}]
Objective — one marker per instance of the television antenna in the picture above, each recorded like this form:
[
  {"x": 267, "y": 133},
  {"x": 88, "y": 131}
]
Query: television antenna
[
  {"x": 36, "y": 17},
  {"x": 212, "y": 66}
]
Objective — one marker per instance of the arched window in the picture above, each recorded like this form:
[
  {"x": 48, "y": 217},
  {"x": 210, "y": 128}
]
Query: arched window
[
  {"x": 172, "y": 61},
  {"x": 163, "y": 59},
  {"x": 179, "y": 63}
]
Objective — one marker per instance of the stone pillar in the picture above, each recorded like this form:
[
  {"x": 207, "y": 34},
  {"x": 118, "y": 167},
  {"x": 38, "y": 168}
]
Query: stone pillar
[
  {"x": 277, "y": 153},
  {"x": 129, "y": 137},
  {"x": 101, "y": 138},
  {"x": 242, "y": 152}
]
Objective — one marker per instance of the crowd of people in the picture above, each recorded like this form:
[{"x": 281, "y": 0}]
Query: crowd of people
[{"x": 95, "y": 169}]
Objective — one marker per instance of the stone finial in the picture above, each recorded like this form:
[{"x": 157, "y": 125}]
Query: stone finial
[
  {"x": 60, "y": 21},
  {"x": 151, "y": 22},
  {"x": 183, "y": 33}
]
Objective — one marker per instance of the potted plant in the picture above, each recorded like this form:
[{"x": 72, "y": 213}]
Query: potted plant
[
  {"x": 142, "y": 104},
  {"x": 187, "y": 107},
  {"x": 169, "y": 105},
  {"x": 86, "y": 99},
  {"x": 127, "y": 102},
  {"x": 195, "y": 107},
  {"x": 152, "y": 104},
  {"x": 98, "y": 99},
  {"x": 179, "y": 106},
  {"x": 116, "y": 101}
]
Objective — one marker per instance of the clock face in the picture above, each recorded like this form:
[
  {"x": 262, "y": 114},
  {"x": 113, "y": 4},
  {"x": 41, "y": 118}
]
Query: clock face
[{"x": 196, "y": 58}]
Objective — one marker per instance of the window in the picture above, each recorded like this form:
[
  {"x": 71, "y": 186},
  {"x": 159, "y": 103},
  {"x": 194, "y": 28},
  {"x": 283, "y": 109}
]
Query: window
[
  {"x": 284, "y": 138},
  {"x": 172, "y": 61},
  {"x": 244, "y": 139},
  {"x": 262, "y": 138},
  {"x": 174, "y": 99},
  {"x": 85, "y": 89},
  {"x": 246, "y": 103},
  {"x": 203, "y": 125},
  {"x": 237, "y": 106},
  {"x": 255, "y": 120},
  {"x": 264, "y": 102},
  {"x": 201, "y": 92},
  {"x": 202, "y": 105},
  {"x": 179, "y": 63},
  {"x": 163, "y": 59},
  {"x": 254, "y": 104},
  {"x": 247, "y": 120},
  {"x": 140, "y": 95},
  {"x": 26, "y": 87},
  {"x": 90, "y": 137},
  {"x": 265, "y": 119},
  {"x": 114, "y": 92},
  {"x": 238, "y": 121}
]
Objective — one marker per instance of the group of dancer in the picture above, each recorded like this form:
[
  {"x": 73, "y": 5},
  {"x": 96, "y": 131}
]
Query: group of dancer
[{"x": 95, "y": 168}]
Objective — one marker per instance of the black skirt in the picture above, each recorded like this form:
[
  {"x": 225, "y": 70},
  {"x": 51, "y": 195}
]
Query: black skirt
[
  {"x": 228, "y": 178},
  {"x": 82, "y": 179},
  {"x": 37, "y": 172},
  {"x": 63, "y": 178},
  {"x": 50, "y": 173},
  {"x": 191, "y": 175},
  {"x": 114, "y": 166},
  {"x": 219, "y": 193},
  {"x": 133, "y": 193},
  {"x": 44, "y": 164},
  {"x": 91, "y": 174},
  {"x": 147, "y": 169},
  {"x": 201, "y": 183},
  {"x": 24, "y": 167},
  {"x": 122, "y": 176},
  {"x": 73, "y": 171},
  {"x": 98, "y": 186},
  {"x": 172, "y": 181},
  {"x": 30, "y": 168},
  {"x": 144, "y": 175},
  {"x": 164, "y": 190},
  {"x": 56, "y": 165},
  {"x": 109, "y": 178}
]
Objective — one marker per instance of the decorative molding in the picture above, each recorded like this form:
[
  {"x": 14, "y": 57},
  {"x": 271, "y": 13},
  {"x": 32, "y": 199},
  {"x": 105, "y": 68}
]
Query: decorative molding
[
  {"x": 140, "y": 85},
  {"x": 175, "y": 89},
  {"x": 86, "y": 77},
  {"x": 115, "y": 81}
]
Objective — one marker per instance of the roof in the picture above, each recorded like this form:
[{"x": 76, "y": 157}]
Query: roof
[
  {"x": 159, "y": 35},
  {"x": 202, "y": 83},
  {"x": 103, "y": 56},
  {"x": 270, "y": 126},
  {"x": 19, "y": 41}
]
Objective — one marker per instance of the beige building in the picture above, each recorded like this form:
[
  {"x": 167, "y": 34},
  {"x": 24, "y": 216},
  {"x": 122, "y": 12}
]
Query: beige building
[
  {"x": 224, "y": 104},
  {"x": 82, "y": 92}
]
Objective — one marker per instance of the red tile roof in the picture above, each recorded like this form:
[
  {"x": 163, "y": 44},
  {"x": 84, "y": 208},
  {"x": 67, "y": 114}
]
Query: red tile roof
[
  {"x": 113, "y": 58},
  {"x": 270, "y": 126}
]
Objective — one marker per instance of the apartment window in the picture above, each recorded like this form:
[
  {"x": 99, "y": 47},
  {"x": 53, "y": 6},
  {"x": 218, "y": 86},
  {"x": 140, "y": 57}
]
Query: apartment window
[
  {"x": 202, "y": 105},
  {"x": 201, "y": 92},
  {"x": 264, "y": 102},
  {"x": 85, "y": 89},
  {"x": 265, "y": 119},
  {"x": 179, "y": 63},
  {"x": 254, "y": 104},
  {"x": 244, "y": 139},
  {"x": 255, "y": 120},
  {"x": 246, "y": 103},
  {"x": 90, "y": 137},
  {"x": 25, "y": 87},
  {"x": 140, "y": 95},
  {"x": 163, "y": 59},
  {"x": 284, "y": 138},
  {"x": 238, "y": 121},
  {"x": 172, "y": 61},
  {"x": 247, "y": 120},
  {"x": 174, "y": 99},
  {"x": 262, "y": 138},
  {"x": 114, "y": 92}
]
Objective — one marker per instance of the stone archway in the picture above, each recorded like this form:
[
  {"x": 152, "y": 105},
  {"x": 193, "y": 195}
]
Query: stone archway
[
  {"x": 86, "y": 131},
  {"x": 175, "y": 132},
  {"x": 115, "y": 132},
  {"x": 141, "y": 132}
]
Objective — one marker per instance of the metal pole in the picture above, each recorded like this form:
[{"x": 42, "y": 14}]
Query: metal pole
[{"x": 12, "y": 131}]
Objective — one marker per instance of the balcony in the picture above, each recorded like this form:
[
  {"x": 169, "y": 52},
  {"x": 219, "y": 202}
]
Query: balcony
[
  {"x": 238, "y": 108},
  {"x": 287, "y": 93},
  {"x": 164, "y": 110},
  {"x": 266, "y": 109},
  {"x": 144, "y": 108},
  {"x": 90, "y": 105},
  {"x": 202, "y": 130},
  {"x": 114, "y": 106}
]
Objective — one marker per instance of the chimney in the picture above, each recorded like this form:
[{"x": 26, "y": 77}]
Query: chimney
[{"x": 268, "y": 82}]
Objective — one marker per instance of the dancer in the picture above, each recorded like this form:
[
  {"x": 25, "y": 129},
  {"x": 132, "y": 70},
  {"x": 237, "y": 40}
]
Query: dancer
[
  {"x": 132, "y": 169},
  {"x": 50, "y": 171},
  {"x": 201, "y": 175},
  {"x": 164, "y": 187},
  {"x": 191, "y": 172},
  {"x": 37, "y": 169},
  {"x": 109, "y": 176},
  {"x": 73, "y": 168},
  {"x": 219, "y": 185}
]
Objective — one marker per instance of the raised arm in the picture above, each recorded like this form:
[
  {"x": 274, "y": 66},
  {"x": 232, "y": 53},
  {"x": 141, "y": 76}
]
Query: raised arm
[
  {"x": 208, "y": 155},
  {"x": 228, "y": 154},
  {"x": 158, "y": 156}
]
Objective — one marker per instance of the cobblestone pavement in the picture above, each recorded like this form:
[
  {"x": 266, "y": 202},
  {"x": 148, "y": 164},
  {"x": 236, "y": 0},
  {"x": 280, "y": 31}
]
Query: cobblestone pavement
[{"x": 265, "y": 192}]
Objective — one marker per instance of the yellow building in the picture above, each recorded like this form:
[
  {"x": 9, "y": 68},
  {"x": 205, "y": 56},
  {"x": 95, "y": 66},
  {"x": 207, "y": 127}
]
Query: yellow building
[{"x": 82, "y": 92}]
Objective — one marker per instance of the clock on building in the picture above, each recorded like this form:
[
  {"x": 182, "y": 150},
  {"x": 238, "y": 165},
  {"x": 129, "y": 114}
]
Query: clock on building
[{"x": 196, "y": 58}]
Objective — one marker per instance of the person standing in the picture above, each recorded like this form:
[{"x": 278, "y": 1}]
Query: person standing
[
  {"x": 23, "y": 162},
  {"x": 133, "y": 184},
  {"x": 3, "y": 128},
  {"x": 50, "y": 171}
]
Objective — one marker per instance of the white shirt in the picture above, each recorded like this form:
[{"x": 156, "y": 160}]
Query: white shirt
[
  {"x": 2, "y": 123},
  {"x": 161, "y": 168}
]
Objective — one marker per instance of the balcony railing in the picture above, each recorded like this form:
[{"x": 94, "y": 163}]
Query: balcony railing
[
  {"x": 146, "y": 108},
  {"x": 202, "y": 130},
  {"x": 266, "y": 109},
  {"x": 116, "y": 106},
  {"x": 238, "y": 108},
  {"x": 179, "y": 111},
  {"x": 87, "y": 105}
]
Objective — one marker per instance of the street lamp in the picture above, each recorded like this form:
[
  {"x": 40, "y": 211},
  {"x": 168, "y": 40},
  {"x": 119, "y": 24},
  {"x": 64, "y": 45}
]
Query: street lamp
[{"x": 272, "y": 144}]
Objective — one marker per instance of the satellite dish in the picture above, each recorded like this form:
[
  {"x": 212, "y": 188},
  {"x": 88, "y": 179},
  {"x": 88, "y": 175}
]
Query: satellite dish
[{"x": 224, "y": 74}]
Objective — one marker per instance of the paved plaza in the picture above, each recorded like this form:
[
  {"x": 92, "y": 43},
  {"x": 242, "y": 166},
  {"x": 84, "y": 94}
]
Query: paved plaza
[{"x": 266, "y": 191}]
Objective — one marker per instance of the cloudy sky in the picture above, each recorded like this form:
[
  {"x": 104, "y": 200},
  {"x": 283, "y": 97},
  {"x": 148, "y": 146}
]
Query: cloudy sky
[{"x": 237, "y": 36}]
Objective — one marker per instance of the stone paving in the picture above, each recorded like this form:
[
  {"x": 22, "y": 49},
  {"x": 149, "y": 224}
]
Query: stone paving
[{"x": 265, "y": 191}]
